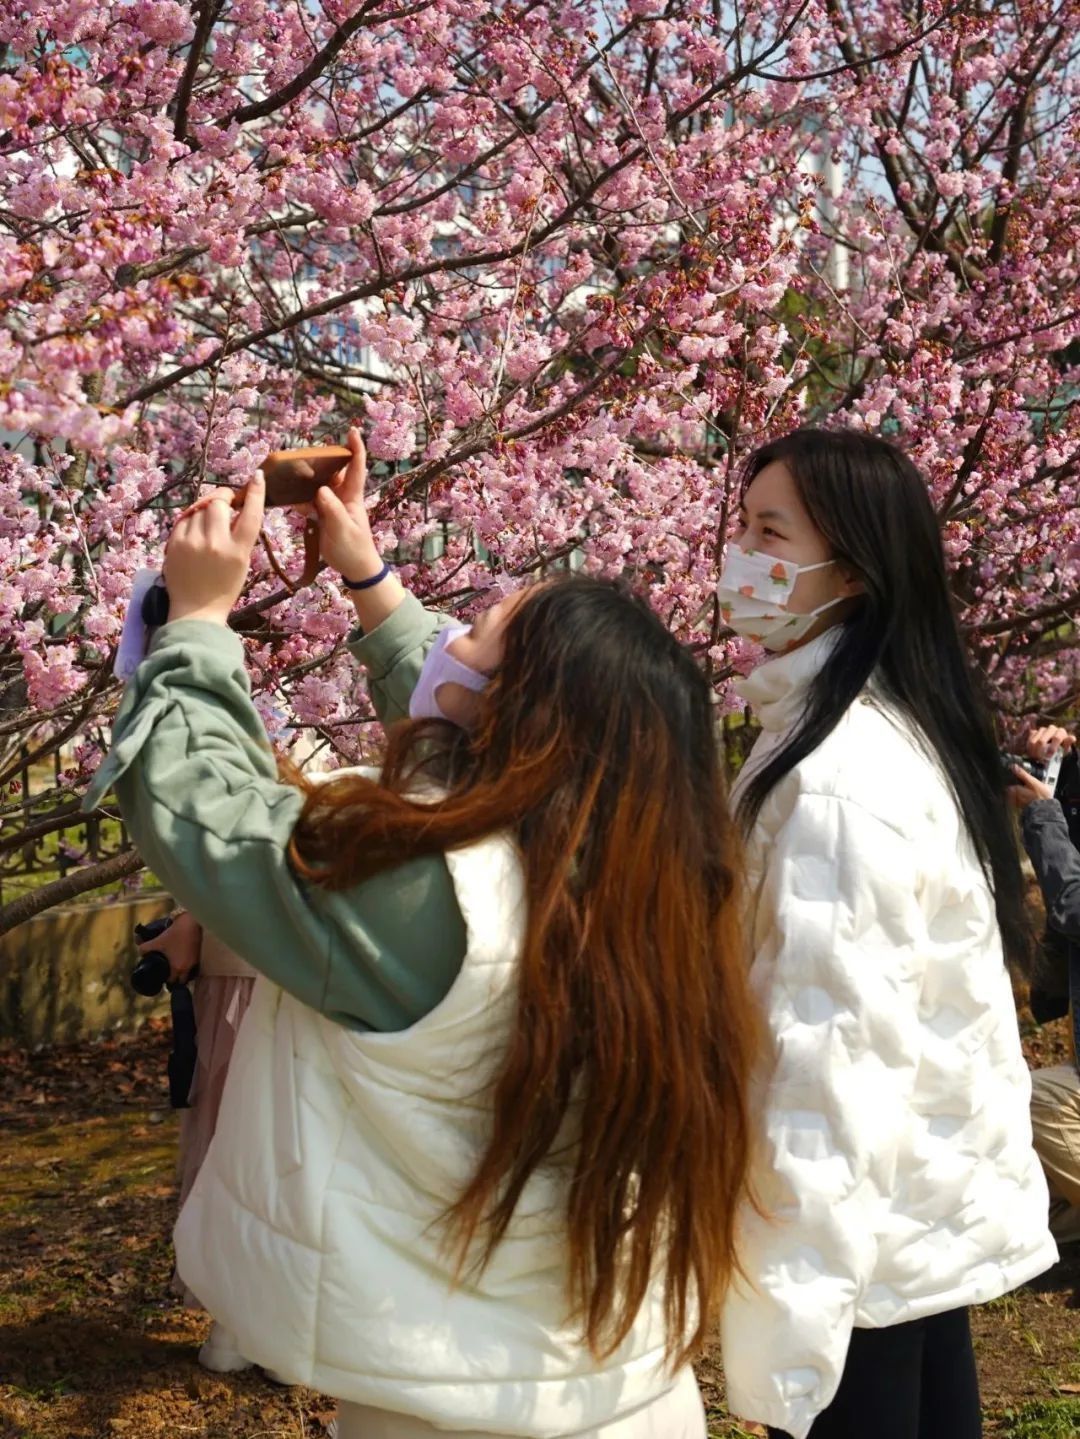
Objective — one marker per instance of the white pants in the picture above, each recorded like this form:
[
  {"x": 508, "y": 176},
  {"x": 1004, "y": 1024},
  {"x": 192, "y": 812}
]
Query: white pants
[{"x": 678, "y": 1414}]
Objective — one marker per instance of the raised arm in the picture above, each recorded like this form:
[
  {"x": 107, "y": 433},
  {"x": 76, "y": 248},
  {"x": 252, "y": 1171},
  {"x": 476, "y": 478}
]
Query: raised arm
[
  {"x": 394, "y": 631},
  {"x": 197, "y": 783},
  {"x": 346, "y": 543}
]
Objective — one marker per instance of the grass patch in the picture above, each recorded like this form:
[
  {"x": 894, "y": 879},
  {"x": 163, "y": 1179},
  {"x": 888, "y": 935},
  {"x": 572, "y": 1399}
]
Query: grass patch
[
  {"x": 1007, "y": 1305},
  {"x": 99, "y": 1155},
  {"x": 45, "y": 1393},
  {"x": 1044, "y": 1419}
]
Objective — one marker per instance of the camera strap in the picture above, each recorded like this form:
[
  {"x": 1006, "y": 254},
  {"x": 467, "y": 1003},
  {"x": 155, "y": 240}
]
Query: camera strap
[
  {"x": 184, "y": 1056},
  {"x": 312, "y": 560}
]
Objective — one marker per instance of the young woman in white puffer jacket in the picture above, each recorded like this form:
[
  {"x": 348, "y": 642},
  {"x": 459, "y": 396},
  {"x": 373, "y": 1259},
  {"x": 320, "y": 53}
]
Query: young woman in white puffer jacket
[
  {"x": 485, "y": 1132},
  {"x": 896, "y": 1177}
]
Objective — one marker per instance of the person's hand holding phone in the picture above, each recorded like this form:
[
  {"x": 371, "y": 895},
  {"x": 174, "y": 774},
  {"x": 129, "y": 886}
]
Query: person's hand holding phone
[
  {"x": 346, "y": 541},
  {"x": 209, "y": 553}
]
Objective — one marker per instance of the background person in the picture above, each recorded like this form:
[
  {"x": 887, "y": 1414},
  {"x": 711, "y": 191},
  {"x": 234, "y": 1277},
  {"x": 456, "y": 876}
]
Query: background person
[
  {"x": 1049, "y": 989},
  {"x": 896, "y": 1170},
  {"x": 1055, "y": 1090},
  {"x": 221, "y": 992},
  {"x": 484, "y": 1134}
]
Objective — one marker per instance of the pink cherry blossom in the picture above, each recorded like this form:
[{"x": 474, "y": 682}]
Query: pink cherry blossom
[{"x": 566, "y": 264}]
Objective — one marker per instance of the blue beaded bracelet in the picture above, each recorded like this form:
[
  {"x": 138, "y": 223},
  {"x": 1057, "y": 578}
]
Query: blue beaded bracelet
[{"x": 366, "y": 584}]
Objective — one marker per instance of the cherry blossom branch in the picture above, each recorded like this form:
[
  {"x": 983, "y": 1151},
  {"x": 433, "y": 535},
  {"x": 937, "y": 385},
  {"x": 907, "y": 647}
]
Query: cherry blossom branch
[
  {"x": 208, "y": 12},
  {"x": 416, "y": 272},
  {"x": 1061, "y": 609},
  {"x": 129, "y": 274},
  {"x": 856, "y": 63},
  {"x": 319, "y": 62},
  {"x": 511, "y": 312},
  {"x": 66, "y": 731}
]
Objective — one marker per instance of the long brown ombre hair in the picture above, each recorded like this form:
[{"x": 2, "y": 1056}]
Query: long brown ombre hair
[{"x": 596, "y": 746}]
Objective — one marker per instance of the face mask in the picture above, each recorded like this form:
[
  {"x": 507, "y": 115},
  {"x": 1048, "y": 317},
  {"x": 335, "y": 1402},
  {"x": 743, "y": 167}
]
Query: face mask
[
  {"x": 442, "y": 668},
  {"x": 754, "y": 591}
]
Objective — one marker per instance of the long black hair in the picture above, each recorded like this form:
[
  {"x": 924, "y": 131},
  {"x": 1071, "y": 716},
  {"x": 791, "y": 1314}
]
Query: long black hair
[
  {"x": 873, "y": 507},
  {"x": 595, "y": 747}
]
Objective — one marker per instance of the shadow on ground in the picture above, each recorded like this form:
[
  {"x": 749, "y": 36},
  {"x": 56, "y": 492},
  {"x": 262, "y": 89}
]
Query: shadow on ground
[{"x": 93, "y": 1346}]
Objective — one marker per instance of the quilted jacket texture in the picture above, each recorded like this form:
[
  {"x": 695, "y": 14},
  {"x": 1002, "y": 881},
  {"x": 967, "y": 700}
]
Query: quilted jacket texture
[
  {"x": 896, "y": 1167},
  {"x": 313, "y": 1229}
]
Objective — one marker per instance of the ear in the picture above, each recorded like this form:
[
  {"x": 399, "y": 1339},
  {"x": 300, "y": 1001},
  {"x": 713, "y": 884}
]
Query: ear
[{"x": 850, "y": 582}]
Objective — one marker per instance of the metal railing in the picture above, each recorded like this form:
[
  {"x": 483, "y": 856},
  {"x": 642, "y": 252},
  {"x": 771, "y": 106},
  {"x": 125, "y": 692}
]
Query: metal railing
[{"x": 43, "y": 835}]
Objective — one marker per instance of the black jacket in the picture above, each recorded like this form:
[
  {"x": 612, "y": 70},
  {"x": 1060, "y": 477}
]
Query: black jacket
[
  {"x": 1051, "y": 832},
  {"x": 1056, "y": 861}
]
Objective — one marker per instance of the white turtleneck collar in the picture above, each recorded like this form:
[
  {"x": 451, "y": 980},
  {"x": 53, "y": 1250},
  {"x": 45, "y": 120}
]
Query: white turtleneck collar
[{"x": 776, "y": 691}]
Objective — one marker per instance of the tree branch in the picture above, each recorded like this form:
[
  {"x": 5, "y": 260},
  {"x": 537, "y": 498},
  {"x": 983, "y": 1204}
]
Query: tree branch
[
  {"x": 258, "y": 109},
  {"x": 70, "y": 887},
  {"x": 208, "y": 13},
  {"x": 441, "y": 265},
  {"x": 128, "y": 274},
  {"x": 64, "y": 733},
  {"x": 58, "y": 819},
  {"x": 1062, "y": 609}
]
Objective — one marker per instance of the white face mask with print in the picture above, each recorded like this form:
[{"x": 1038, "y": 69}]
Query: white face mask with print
[{"x": 754, "y": 592}]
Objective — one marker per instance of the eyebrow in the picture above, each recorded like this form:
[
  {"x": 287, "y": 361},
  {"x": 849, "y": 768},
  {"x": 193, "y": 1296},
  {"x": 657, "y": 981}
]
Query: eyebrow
[{"x": 780, "y": 515}]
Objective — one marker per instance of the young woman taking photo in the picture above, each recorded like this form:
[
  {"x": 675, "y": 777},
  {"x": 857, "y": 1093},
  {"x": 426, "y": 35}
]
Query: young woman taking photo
[
  {"x": 896, "y": 1172},
  {"x": 484, "y": 1134}
]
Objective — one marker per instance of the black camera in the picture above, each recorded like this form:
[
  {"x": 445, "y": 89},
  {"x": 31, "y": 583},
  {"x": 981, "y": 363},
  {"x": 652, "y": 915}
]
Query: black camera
[
  {"x": 149, "y": 977},
  {"x": 155, "y": 610},
  {"x": 151, "y": 974},
  {"x": 1033, "y": 767}
]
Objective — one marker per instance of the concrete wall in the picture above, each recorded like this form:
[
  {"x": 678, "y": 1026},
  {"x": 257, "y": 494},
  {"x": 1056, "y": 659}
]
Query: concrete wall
[{"x": 64, "y": 974}]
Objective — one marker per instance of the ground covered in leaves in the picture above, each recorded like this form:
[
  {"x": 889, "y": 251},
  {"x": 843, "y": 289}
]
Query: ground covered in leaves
[{"x": 92, "y": 1346}]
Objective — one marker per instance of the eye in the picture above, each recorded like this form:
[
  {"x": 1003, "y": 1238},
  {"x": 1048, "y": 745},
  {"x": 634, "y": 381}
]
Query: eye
[{"x": 768, "y": 530}]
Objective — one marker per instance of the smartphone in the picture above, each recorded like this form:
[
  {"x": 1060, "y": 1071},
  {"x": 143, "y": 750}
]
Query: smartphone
[{"x": 293, "y": 476}]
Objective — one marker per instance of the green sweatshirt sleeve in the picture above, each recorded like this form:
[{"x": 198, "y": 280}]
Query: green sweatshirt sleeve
[
  {"x": 393, "y": 655},
  {"x": 197, "y": 785}
]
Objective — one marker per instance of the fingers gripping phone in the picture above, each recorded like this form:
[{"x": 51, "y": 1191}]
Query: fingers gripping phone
[{"x": 293, "y": 477}]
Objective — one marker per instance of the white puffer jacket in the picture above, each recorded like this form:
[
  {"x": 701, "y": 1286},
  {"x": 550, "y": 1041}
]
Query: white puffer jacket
[
  {"x": 313, "y": 1229},
  {"x": 897, "y": 1169}
]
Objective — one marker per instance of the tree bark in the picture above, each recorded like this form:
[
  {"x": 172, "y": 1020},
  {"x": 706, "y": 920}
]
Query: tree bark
[{"x": 72, "y": 885}]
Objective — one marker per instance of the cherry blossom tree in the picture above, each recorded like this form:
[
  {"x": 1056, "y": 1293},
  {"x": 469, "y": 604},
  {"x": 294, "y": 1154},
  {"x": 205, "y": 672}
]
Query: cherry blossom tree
[{"x": 565, "y": 263}]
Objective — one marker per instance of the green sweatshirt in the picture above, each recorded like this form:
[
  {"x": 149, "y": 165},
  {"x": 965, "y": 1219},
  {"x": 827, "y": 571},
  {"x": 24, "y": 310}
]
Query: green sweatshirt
[{"x": 197, "y": 785}]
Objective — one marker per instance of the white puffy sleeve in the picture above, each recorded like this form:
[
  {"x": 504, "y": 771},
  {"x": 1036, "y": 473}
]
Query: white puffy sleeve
[{"x": 839, "y": 947}]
